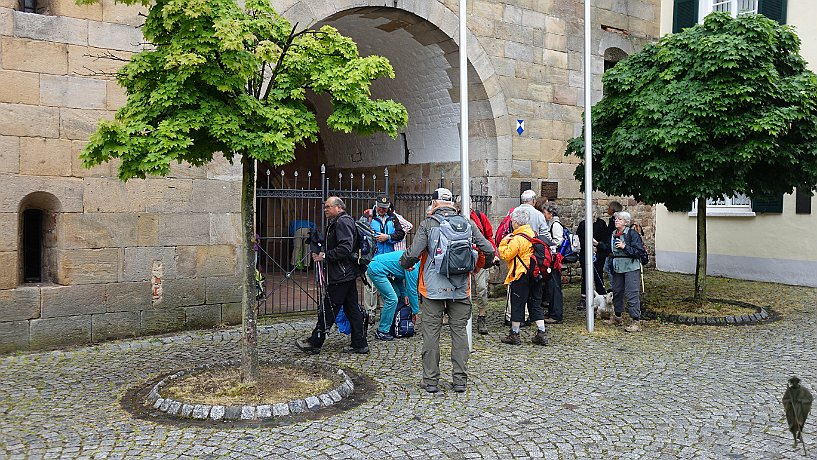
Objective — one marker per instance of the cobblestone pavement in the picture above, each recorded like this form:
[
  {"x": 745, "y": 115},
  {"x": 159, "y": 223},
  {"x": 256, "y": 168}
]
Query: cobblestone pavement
[{"x": 668, "y": 392}]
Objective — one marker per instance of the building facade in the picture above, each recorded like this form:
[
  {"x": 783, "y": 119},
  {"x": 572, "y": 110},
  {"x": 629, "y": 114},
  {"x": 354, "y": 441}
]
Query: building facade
[
  {"x": 87, "y": 257},
  {"x": 770, "y": 240}
]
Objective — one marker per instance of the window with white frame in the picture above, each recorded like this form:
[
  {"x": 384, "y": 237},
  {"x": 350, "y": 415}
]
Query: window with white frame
[
  {"x": 734, "y": 7},
  {"x": 737, "y": 205}
]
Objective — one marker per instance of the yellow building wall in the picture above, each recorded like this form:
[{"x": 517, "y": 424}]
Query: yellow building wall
[{"x": 768, "y": 247}]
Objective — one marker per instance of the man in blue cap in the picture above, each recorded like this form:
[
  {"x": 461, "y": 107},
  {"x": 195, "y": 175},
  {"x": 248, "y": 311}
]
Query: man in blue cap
[{"x": 394, "y": 283}]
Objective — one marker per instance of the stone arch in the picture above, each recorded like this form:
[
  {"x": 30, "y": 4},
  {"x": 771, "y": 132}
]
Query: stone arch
[
  {"x": 488, "y": 116},
  {"x": 38, "y": 214}
]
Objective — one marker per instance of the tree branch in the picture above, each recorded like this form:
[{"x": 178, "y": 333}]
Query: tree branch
[{"x": 284, "y": 50}]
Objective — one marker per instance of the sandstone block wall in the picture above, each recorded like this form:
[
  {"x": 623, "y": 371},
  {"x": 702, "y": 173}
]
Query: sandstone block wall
[{"x": 120, "y": 259}]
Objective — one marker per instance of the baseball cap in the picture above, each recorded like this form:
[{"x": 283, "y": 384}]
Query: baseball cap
[
  {"x": 442, "y": 194},
  {"x": 383, "y": 201}
]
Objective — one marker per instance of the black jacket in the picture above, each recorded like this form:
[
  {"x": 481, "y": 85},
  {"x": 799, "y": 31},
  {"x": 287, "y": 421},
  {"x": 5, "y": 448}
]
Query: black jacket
[
  {"x": 340, "y": 246},
  {"x": 600, "y": 234}
]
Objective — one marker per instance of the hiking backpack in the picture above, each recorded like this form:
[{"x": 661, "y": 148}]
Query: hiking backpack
[
  {"x": 403, "y": 323},
  {"x": 541, "y": 261},
  {"x": 504, "y": 228},
  {"x": 567, "y": 248},
  {"x": 454, "y": 252},
  {"x": 645, "y": 256},
  {"x": 365, "y": 244}
]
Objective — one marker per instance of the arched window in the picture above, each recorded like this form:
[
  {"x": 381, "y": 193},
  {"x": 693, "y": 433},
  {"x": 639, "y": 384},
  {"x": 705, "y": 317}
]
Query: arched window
[
  {"x": 38, "y": 220},
  {"x": 612, "y": 56}
]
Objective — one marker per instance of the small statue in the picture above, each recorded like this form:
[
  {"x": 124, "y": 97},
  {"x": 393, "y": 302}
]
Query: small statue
[{"x": 797, "y": 404}]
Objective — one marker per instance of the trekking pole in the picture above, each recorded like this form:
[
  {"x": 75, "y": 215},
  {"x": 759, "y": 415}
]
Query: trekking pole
[{"x": 322, "y": 296}]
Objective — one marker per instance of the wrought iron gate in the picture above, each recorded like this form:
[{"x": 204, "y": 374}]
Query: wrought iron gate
[{"x": 290, "y": 205}]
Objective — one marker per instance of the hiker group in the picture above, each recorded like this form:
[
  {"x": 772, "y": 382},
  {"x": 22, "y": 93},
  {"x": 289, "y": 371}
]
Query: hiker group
[{"x": 449, "y": 255}]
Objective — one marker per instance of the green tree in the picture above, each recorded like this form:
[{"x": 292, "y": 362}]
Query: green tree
[
  {"x": 219, "y": 78},
  {"x": 722, "y": 108}
]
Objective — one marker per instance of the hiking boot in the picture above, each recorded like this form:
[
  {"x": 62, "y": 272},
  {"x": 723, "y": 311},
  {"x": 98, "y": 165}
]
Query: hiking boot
[
  {"x": 306, "y": 346},
  {"x": 482, "y": 328},
  {"x": 540, "y": 338},
  {"x": 635, "y": 327},
  {"x": 512, "y": 338},
  {"x": 357, "y": 350},
  {"x": 385, "y": 336},
  {"x": 458, "y": 387},
  {"x": 615, "y": 320}
]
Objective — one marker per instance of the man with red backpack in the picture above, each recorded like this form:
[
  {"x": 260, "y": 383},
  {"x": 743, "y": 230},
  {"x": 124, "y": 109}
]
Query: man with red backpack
[{"x": 480, "y": 298}]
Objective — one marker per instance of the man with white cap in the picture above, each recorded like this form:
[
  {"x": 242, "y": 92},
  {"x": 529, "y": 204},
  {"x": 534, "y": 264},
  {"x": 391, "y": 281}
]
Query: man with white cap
[{"x": 444, "y": 292}]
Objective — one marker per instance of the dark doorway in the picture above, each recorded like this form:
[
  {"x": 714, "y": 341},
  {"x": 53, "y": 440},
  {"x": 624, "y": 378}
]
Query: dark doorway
[{"x": 33, "y": 245}]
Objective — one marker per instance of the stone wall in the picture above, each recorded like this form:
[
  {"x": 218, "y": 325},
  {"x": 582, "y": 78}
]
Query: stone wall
[
  {"x": 120, "y": 259},
  {"x": 148, "y": 256}
]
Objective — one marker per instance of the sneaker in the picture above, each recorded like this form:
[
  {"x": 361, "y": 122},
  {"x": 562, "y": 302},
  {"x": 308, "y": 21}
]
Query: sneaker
[
  {"x": 635, "y": 327},
  {"x": 359, "y": 351},
  {"x": 512, "y": 338},
  {"x": 385, "y": 336},
  {"x": 482, "y": 328},
  {"x": 458, "y": 387},
  {"x": 432, "y": 388},
  {"x": 615, "y": 320},
  {"x": 306, "y": 346},
  {"x": 540, "y": 338}
]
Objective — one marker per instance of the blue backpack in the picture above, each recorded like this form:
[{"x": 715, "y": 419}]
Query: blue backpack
[
  {"x": 570, "y": 254},
  {"x": 403, "y": 324}
]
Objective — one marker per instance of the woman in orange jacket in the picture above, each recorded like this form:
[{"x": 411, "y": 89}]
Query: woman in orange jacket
[{"x": 516, "y": 250}]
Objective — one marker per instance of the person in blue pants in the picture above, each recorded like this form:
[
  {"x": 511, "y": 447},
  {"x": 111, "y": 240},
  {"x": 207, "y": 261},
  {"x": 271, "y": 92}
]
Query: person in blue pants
[{"x": 392, "y": 280}]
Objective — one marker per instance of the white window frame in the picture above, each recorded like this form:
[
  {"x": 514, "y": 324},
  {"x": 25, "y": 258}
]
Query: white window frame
[
  {"x": 732, "y": 206},
  {"x": 733, "y": 6}
]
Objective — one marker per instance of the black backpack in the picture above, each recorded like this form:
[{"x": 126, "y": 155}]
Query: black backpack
[
  {"x": 365, "y": 244},
  {"x": 541, "y": 261}
]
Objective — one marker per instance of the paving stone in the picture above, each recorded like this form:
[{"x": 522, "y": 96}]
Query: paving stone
[
  {"x": 265, "y": 411},
  {"x": 217, "y": 412},
  {"x": 666, "y": 393}
]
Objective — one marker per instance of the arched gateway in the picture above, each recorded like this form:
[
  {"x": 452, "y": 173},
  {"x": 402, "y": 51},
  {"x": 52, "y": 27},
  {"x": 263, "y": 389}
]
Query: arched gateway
[{"x": 417, "y": 38}]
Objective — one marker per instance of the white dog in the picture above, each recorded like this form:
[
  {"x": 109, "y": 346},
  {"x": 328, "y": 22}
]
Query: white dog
[{"x": 603, "y": 304}]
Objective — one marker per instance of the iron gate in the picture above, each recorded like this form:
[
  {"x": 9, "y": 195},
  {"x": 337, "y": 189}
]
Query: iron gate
[{"x": 290, "y": 205}]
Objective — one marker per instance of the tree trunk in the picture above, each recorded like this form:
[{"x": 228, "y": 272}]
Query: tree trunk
[
  {"x": 700, "y": 257},
  {"x": 249, "y": 326}
]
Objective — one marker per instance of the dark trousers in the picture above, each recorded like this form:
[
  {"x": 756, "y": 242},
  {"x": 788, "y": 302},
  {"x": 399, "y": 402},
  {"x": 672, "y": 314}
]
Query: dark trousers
[
  {"x": 553, "y": 291},
  {"x": 340, "y": 295},
  {"x": 524, "y": 291},
  {"x": 598, "y": 269}
]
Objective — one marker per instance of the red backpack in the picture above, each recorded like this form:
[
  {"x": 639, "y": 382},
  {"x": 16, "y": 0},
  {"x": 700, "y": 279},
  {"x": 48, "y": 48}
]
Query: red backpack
[
  {"x": 541, "y": 261},
  {"x": 504, "y": 228}
]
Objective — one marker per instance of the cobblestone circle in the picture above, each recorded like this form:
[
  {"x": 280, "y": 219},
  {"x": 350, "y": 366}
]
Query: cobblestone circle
[
  {"x": 671, "y": 391},
  {"x": 189, "y": 410}
]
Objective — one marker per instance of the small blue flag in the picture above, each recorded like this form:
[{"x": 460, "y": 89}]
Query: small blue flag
[{"x": 520, "y": 126}]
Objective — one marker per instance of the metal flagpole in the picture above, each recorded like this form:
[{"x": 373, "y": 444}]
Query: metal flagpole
[
  {"x": 464, "y": 174},
  {"x": 589, "y": 276}
]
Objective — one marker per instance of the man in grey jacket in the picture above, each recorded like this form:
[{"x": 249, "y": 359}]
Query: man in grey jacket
[
  {"x": 442, "y": 294},
  {"x": 537, "y": 220}
]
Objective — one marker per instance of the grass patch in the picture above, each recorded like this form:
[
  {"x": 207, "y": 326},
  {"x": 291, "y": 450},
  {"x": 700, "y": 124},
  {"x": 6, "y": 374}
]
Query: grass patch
[
  {"x": 222, "y": 386},
  {"x": 666, "y": 293}
]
